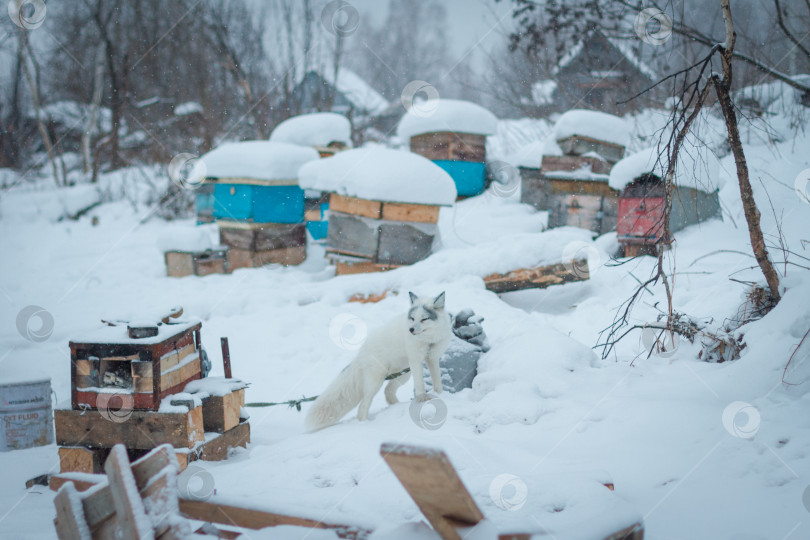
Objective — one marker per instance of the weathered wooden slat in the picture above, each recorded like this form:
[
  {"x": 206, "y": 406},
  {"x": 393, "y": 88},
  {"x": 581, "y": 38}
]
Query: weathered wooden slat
[
  {"x": 217, "y": 448},
  {"x": 221, "y": 413},
  {"x": 168, "y": 362},
  {"x": 80, "y": 459},
  {"x": 179, "y": 375},
  {"x": 352, "y": 235},
  {"x": 401, "y": 243},
  {"x": 355, "y": 206},
  {"x": 580, "y": 144},
  {"x": 434, "y": 485},
  {"x": 133, "y": 523},
  {"x": 179, "y": 263},
  {"x": 247, "y": 518},
  {"x": 345, "y": 268},
  {"x": 421, "y": 213},
  {"x": 68, "y": 522},
  {"x": 140, "y": 429},
  {"x": 445, "y": 145},
  {"x": 573, "y": 163}
]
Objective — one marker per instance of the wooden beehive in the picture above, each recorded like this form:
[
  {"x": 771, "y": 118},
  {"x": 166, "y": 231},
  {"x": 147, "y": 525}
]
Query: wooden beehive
[
  {"x": 578, "y": 145},
  {"x": 369, "y": 236},
  {"x": 574, "y": 190},
  {"x": 462, "y": 155},
  {"x": 147, "y": 369},
  {"x": 641, "y": 207},
  {"x": 204, "y": 203},
  {"x": 197, "y": 263},
  {"x": 316, "y": 206},
  {"x": 252, "y": 245}
]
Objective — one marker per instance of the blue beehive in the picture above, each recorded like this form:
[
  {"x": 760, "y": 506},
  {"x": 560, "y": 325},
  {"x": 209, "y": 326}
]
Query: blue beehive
[
  {"x": 452, "y": 134},
  {"x": 256, "y": 200}
]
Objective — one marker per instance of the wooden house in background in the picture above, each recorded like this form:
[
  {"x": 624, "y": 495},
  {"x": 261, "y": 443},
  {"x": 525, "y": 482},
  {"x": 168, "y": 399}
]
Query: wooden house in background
[{"x": 598, "y": 72}]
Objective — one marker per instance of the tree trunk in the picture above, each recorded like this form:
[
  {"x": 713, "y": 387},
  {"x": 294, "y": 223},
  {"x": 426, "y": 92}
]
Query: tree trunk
[{"x": 98, "y": 90}]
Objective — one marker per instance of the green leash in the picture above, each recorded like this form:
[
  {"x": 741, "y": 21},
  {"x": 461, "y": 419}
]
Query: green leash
[{"x": 297, "y": 402}]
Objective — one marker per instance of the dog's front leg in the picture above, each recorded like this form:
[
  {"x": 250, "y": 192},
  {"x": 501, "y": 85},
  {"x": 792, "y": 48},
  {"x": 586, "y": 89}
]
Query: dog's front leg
[
  {"x": 415, "y": 362},
  {"x": 433, "y": 367}
]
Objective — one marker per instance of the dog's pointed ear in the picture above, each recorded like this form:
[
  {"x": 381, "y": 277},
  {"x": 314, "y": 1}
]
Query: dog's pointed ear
[
  {"x": 438, "y": 302},
  {"x": 414, "y": 298}
]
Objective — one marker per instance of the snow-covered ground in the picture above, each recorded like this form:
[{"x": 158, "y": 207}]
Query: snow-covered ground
[{"x": 545, "y": 409}]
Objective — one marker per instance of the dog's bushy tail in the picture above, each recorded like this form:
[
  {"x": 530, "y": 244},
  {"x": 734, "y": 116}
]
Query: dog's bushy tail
[{"x": 340, "y": 397}]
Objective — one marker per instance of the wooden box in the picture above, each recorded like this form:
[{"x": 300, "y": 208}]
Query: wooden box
[
  {"x": 198, "y": 263},
  {"x": 579, "y": 144},
  {"x": 139, "y": 372},
  {"x": 371, "y": 236},
  {"x": 447, "y": 145},
  {"x": 252, "y": 245}
]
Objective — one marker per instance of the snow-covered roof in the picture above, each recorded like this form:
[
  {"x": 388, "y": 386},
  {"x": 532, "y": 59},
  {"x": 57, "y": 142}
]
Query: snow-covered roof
[
  {"x": 622, "y": 46},
  {"x": 594, "y": 124},
  {"x": 450, "y": 115},
  {"x": 381, "y": 174},
  {"x": 316, "y": 129},
  {"x": 364, "y": 98},
  {"x": 697, "y": 167},
  {"x": 262, "y": 160}
]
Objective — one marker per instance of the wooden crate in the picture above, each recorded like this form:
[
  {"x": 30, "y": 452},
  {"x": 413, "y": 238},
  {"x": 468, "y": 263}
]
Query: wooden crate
[
  {"x": 262, "y": 236},
  {"x": 290, "y": 256},
  {"x": 198, "y": 263},
  {"x": 149, "y": 368},
  {"x": 447, "y": 145},
  {"x": 580, "y": 144},
  {"x": 574, "y": 163}
]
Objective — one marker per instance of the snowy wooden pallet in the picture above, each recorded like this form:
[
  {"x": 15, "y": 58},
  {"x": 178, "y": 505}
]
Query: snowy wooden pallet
[
  {"x": 436, "y": 488},
  {"x": 138, "y": 500}
]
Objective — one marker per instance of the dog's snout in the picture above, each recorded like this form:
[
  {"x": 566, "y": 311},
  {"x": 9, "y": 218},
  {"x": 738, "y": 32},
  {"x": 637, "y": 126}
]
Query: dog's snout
[{"x": 413, "y": 330}]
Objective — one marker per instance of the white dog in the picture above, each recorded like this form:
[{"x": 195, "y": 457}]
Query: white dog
[{"x": 404, "y": 342}]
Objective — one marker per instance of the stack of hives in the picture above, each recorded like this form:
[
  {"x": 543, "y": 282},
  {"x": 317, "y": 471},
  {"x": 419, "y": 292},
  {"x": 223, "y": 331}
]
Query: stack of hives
[
  {"x": 138, "y": 384},
  {"x": 384, "y": 206},
  {"x": 571, "y": 182},
  {"x": 452, "y": 134},
  {"x": 643, "y": 197},
  {"x": 327, "y": 133},
  {"x": 258, "y": 204}
]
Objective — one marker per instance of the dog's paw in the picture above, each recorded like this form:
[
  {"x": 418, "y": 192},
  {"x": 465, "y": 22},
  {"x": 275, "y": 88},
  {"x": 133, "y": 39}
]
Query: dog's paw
[
  {"x": 421, "y": 398},
  {"x": 391, "y": 400}
]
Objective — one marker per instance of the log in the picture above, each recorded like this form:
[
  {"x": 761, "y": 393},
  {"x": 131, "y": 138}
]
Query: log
[
  {"x": 141, "y": 430},
  {"x": 538, "y": 277},
  {"x": 221, "y": 413}
]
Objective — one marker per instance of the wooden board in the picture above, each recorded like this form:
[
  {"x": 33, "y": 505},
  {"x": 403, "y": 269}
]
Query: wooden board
[
  {"x": 538, "y": 277},
  {"x": 142, "y": 430},
  {"x": 240, "y": 258},
  {"x": 368, "y": 298},
  {"x": 80, "y": 459},
  {"x": 421, "y": 213},
  {"x": 352, "y": 235},
  {"x": 250, "y": 518},
  {"x": 355, "y": 206},
  {"x": 267, "y": 237},
  {"x": 402, "y": 244},
  {"x": 434, "y": 485},
  {"x": 217, "y": 448},
  {"x": 171, "y": 360},
  {"x": 133, "y": 523},
  {"x": 344, "y": 268},
  {"x": 181, "y": 374},
  {"x": 446, "y": 145},
  {"x": 179, "y": 263},
  {"x": 68, "y": 512},
  {"x": 221, "y": 413},
  {"x": 573, "y": 163},
  {"x": 580, "y": 144}
]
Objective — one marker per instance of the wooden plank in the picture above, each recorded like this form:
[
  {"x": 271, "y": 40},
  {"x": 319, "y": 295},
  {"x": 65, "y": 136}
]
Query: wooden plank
[
  {"x": 403, "y": 244},
  {"x": 355, "y": 206},
  {"x": 217, "y": 448},
  {"x": 81, "y": 481},
  {"x": 434, "y": 485},
  {"x": 254, "y": 181},
  {"x": 280, "y": 235},
  {"x": 452, "y": 146},
  {"x": 237, "y": 238},
  {"x": 421, "y": 213},
  {"x": 180, "y": 373},
  {"x": 353, "y": 235},
  {"x": 179, "y": 263},
  {"x": 168, "y": 362},
  {"x": 344, "y": 268},
  {"x": 98, "y": 506},
  {"x": 579, "y": 187},
  {"x": 249, "y": 518},
  {"x": 133, "y": 523},
  {"x": 288, "y": 256},
  {"x": 221, "y": 413},
  {"x": 142, "y": 430},
  {"x": 313, "y": 214},
  {"x": 80, "y": 459},
  {"x": 573, "y": 163},
  {"x": 538, "y": 277},
  {"x": 211, "y": 262},
  {"x": 69, "y": 520},
  {"x": 370, "y": 298}
]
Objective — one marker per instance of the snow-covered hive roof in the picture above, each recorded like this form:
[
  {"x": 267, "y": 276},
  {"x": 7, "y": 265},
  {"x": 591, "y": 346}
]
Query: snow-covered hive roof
[
  {"x": 381, "y": 174},
  {"x": 262, "y": 160},
  {"x": 593, "y": 124},
  {"x": 450, "y": 115},
  {"x": 697, "y": 168},
  {"x": 531, "y": 155},
  {"x": 316, "y": 129}
]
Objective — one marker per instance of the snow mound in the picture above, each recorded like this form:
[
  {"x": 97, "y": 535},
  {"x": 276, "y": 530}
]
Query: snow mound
[
  {"x": 697, "y": 168},
  {"x": 264, "y": 160},
  {"x": 184, "y": 239},
  {"x": 450, "y": 115},
  {"x": 531, "y": 155},
  {"x": 594, "y": 124},
  {"x": 316, "y": 129},
  {"x": 380, "y": 174},
  {"x": 187, "y": 108}
]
